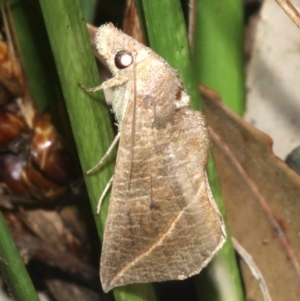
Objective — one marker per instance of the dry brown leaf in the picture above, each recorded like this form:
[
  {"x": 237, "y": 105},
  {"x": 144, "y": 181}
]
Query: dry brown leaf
[
  {"x": 131, "y": 23},
  {"x": 262, "y": 200}
]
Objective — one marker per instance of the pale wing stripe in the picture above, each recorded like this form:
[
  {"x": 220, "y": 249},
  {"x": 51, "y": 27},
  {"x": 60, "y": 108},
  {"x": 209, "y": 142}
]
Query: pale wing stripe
[
  {"x": 157, "y": 178},
  {"x": 159, "y": 241}
]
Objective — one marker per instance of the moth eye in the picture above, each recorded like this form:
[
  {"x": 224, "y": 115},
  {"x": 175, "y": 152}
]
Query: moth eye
[{"x": 123, "y": 59}]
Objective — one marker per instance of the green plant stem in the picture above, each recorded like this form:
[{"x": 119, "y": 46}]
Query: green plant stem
[
  {"x": 35, "y": 54},
  {"x": 13, "y": 269},
  {"x": 166, "y": 31},
  {"x": 75, "y": 64},
  {"x": 218, "y": 57},
  {"x": 219, "y": 49},
  {"x": 90, "y": 120}
]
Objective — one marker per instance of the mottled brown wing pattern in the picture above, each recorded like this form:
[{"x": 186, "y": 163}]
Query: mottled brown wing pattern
[{"x": 162, "y": 221}]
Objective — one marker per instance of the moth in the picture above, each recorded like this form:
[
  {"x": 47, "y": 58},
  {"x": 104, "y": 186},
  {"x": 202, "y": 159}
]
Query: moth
[{"x": 163, "y": 223}]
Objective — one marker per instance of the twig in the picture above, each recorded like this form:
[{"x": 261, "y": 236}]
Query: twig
[
  {"x": 253, "y": 268},
  {"x": 290, "y": 10}
]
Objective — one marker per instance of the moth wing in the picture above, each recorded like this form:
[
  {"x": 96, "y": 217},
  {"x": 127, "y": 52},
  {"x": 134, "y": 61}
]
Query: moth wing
[{"x": 162, "y": 221}]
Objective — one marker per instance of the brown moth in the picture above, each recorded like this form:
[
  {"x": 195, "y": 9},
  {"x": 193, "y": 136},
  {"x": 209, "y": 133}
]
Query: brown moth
[{"x": 163, "y": 223}]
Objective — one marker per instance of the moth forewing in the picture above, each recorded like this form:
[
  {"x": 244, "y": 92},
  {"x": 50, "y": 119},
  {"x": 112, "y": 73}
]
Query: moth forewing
[{"x": 163, "y": 223}]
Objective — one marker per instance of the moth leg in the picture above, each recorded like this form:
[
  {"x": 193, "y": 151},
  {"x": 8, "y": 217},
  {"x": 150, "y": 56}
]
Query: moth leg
[
  {"x": 106, "y": 154},
  {"x": 112, "y": 82},
  {"x": 104, "y": 194}
]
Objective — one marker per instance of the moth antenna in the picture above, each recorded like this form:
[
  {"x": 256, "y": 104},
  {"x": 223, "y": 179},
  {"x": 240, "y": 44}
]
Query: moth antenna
[{"x": 133, "y": 115}]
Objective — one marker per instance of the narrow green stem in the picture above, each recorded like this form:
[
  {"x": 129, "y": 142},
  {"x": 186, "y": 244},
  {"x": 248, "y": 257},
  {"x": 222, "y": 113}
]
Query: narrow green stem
[
  {"x": 90, "y": 120},
  {"x": 166, "y": 30},
  {"x": 13, "y": 269},
  {"x": 219, "y": 49}
]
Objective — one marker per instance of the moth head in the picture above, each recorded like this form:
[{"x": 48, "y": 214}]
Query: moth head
[{"x": 118, "y": 49}]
